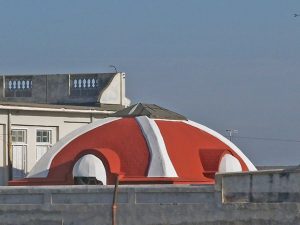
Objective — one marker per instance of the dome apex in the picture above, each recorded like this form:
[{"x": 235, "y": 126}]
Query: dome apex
[{"x": 149, "y": 110}]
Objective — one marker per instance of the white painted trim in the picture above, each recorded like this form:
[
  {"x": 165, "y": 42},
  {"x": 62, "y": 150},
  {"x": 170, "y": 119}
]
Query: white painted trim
[
  {"x": 160, "y": 163},
  {"x": 249, "y": 164},
  {"x": 173, "y": 120},
  {"x": 41, "y": 168},
  {"x": 33, "y": 108}
]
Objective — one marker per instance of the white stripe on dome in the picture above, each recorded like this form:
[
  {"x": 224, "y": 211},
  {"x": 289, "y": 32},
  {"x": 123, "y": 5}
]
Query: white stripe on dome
[
  {"x": 41, "y": 168},
  {"x": 160, "y": 163},
  {"x": 249, "y": 164}
]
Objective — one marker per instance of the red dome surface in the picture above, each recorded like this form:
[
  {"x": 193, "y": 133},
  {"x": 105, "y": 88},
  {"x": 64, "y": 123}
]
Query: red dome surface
[{"x": 139, "y": 150}]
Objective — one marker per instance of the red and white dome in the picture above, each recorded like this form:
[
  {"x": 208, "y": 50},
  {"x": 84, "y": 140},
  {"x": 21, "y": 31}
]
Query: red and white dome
[{"x": 139, "y": 149}]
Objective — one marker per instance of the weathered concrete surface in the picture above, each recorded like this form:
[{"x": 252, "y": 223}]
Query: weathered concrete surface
[
  {"x": 63, "y": 89},
  {"x": 159, "y": 204},
  {"x": 262, "y": 186}
]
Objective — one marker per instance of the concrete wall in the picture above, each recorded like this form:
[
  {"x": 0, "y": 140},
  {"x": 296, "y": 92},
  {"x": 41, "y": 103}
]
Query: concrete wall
[
  {"x": 260, "y": 187},
  {"x": 115, "y": 92},
  {"x": 159, "y": 204},
  {"x": 75, "y": 89}
]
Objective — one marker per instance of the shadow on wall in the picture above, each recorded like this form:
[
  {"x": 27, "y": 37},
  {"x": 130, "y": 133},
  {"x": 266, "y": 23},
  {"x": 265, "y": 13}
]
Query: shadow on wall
[
  {"x": 3, "y": 175},
  {"x": 18, "y": 173}
]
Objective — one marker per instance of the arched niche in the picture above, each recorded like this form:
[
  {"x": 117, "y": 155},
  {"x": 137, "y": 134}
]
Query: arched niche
[
  {"x": 229, "y": 163},
  {"x": 89, "y": 169}
]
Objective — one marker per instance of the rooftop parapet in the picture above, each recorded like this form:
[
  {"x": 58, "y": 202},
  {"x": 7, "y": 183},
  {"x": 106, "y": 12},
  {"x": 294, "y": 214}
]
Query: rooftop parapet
[{"x": 87, "y": 89}]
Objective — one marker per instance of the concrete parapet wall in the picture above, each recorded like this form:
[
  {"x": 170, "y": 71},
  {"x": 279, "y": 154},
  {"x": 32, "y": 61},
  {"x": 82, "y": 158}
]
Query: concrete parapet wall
[
  {"x": 262, "y": 186},
  {"x": 218, "y": 204},
  {"x": 88, "y": 89}
]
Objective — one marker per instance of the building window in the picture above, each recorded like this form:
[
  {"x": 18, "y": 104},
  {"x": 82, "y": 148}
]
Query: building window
[
  {"x": 19, "y": 153},
  {"x": 18, "y": 136},
  {"x": 43, "y": 136},
  {"x": 43, "y": 142}
]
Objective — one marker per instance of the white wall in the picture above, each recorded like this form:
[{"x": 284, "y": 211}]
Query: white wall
[
  {"x": 61, "y": 123},
  {"x": 115, "y": 92},
  {"x": 3, "y": 154}
]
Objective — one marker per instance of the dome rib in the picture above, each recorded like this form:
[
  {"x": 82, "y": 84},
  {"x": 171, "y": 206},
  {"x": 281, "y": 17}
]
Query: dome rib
[{"x": 160, "y": 162}]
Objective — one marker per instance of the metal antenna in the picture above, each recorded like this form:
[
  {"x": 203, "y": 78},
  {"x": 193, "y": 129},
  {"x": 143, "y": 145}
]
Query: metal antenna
[
  {"x": 231, "y": 132},
  {"x": 112, "y": 66}
]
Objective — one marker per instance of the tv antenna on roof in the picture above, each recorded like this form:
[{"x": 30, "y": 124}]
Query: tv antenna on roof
[
  {"x": 231, "y": 132},
  {"x": 112, "y": 66}
]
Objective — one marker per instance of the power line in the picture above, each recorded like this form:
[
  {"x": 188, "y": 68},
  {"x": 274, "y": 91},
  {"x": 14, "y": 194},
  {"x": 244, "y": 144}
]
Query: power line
[
  {"x": 231, "y": 132},
  {"x": 267, "y": 139}
]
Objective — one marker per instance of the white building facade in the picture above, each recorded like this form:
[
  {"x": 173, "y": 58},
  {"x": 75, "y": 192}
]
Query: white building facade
[{"x": 29, "y": 126}]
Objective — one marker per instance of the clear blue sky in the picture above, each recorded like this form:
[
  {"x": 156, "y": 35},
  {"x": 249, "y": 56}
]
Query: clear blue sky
[{"x": 225, "y": 64}]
